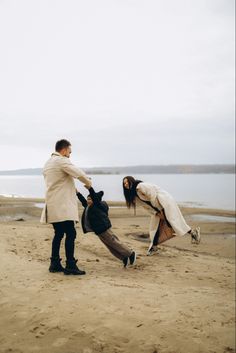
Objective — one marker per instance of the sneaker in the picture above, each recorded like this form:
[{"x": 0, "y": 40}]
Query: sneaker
[
  {"x": 195, "y": 236},
  {"x": 126, "y": 261},
  {"x": 132, "y": 258},
  {"x": 153, "y": 249}
]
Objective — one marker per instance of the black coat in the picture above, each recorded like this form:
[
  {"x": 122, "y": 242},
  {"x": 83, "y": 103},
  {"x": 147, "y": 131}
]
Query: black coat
[{"x": 97, "y": 213}]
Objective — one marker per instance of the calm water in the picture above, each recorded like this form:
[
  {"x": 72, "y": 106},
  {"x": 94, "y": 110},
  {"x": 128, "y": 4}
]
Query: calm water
[{"x": 207, "y": 190}]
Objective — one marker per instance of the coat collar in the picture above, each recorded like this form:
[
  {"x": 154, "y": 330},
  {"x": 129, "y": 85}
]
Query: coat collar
[{"x": 56, "y": 154}]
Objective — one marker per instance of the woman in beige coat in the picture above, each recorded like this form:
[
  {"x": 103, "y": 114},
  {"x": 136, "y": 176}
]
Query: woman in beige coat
[
  {"x": 61, "y": 205},
  {"x": 161, "y": 205}
]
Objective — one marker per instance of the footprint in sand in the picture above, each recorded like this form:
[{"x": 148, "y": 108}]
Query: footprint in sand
[
  {"x": 39, "y": 331},
  {"x": 40, "y": 334}
]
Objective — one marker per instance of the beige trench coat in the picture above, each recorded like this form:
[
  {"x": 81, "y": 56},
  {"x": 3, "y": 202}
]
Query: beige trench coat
[
  {"x": 61, "y": 203},
  {"x": 161, "y": 199}
]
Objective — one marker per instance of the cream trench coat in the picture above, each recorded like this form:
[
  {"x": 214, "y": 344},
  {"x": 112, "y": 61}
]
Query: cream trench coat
[
  {"x": 61, "y": 203},
  {"x": 161, "y": 199}
]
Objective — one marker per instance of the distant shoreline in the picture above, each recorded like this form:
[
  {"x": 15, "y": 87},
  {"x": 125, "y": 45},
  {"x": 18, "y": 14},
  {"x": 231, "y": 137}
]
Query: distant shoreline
[
  {"x": 188, "y": 209},
  {"x": 141, "y": 169}
]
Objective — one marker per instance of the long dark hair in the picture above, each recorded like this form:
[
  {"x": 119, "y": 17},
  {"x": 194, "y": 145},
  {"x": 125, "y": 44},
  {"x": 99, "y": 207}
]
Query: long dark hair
[{"x": 131, "y": 193}]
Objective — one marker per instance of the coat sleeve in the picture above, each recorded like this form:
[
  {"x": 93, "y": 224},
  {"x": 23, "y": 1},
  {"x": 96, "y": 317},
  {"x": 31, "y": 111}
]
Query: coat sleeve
[
  {"x": 82, "y": 199},
  {"x": 75, "y": 172}
]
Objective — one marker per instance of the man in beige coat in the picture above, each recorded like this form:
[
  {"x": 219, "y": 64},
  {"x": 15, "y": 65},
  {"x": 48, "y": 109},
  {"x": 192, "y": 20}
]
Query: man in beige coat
[{"x": 61, "y": 205}]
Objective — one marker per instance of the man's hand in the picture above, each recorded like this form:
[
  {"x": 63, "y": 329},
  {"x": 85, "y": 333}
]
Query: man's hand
[{"x": 87, "y": 187}]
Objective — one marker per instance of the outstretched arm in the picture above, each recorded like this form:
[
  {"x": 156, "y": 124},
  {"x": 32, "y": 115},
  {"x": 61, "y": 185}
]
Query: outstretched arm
[
  {"x": 82, "y": 199},
  {"x": 75, "y": 172}
]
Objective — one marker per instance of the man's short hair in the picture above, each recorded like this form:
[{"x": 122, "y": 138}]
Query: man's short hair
[{"x": 62, "y": 144}]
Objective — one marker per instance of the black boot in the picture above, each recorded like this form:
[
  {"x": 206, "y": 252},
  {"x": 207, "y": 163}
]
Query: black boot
[
  {"x": 55, "y": 265},
  {"x": 72, "y": 269}
]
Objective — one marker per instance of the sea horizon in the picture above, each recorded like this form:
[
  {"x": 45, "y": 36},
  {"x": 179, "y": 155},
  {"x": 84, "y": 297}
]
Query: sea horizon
[
  {"x": 213, "y": 168},
  {"x": 198, "y": 190}
]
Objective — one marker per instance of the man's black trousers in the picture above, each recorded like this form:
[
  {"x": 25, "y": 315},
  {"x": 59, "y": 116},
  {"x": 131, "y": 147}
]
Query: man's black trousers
[{"x": 61, "y": 228}]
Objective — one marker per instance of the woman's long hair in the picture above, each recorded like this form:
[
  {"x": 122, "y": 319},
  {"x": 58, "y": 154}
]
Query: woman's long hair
[{"x": 131, "y": 193}]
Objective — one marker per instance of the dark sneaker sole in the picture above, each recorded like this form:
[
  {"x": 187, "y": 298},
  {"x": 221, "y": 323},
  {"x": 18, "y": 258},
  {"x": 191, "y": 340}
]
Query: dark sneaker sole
[{"x": 132, "y": 262}]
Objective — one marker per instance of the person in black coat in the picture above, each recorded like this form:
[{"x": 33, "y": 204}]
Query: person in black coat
[{"x": 95, "y": 219}]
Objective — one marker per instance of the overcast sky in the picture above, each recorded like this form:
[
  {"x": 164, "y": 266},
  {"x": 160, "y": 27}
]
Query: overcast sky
[{"x": 127, "y": 82}]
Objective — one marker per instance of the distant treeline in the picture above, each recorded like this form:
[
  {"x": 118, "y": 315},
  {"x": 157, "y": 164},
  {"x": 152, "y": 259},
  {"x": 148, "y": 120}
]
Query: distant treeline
[{"x": 143, "y": 169}]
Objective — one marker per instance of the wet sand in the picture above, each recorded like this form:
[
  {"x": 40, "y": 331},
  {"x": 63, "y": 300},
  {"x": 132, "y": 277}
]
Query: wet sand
[{"x": 179, "y": 301}]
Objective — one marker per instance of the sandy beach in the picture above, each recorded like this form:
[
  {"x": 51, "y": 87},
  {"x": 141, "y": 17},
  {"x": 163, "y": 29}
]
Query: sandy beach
[{"x": 179, "y": 301}]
